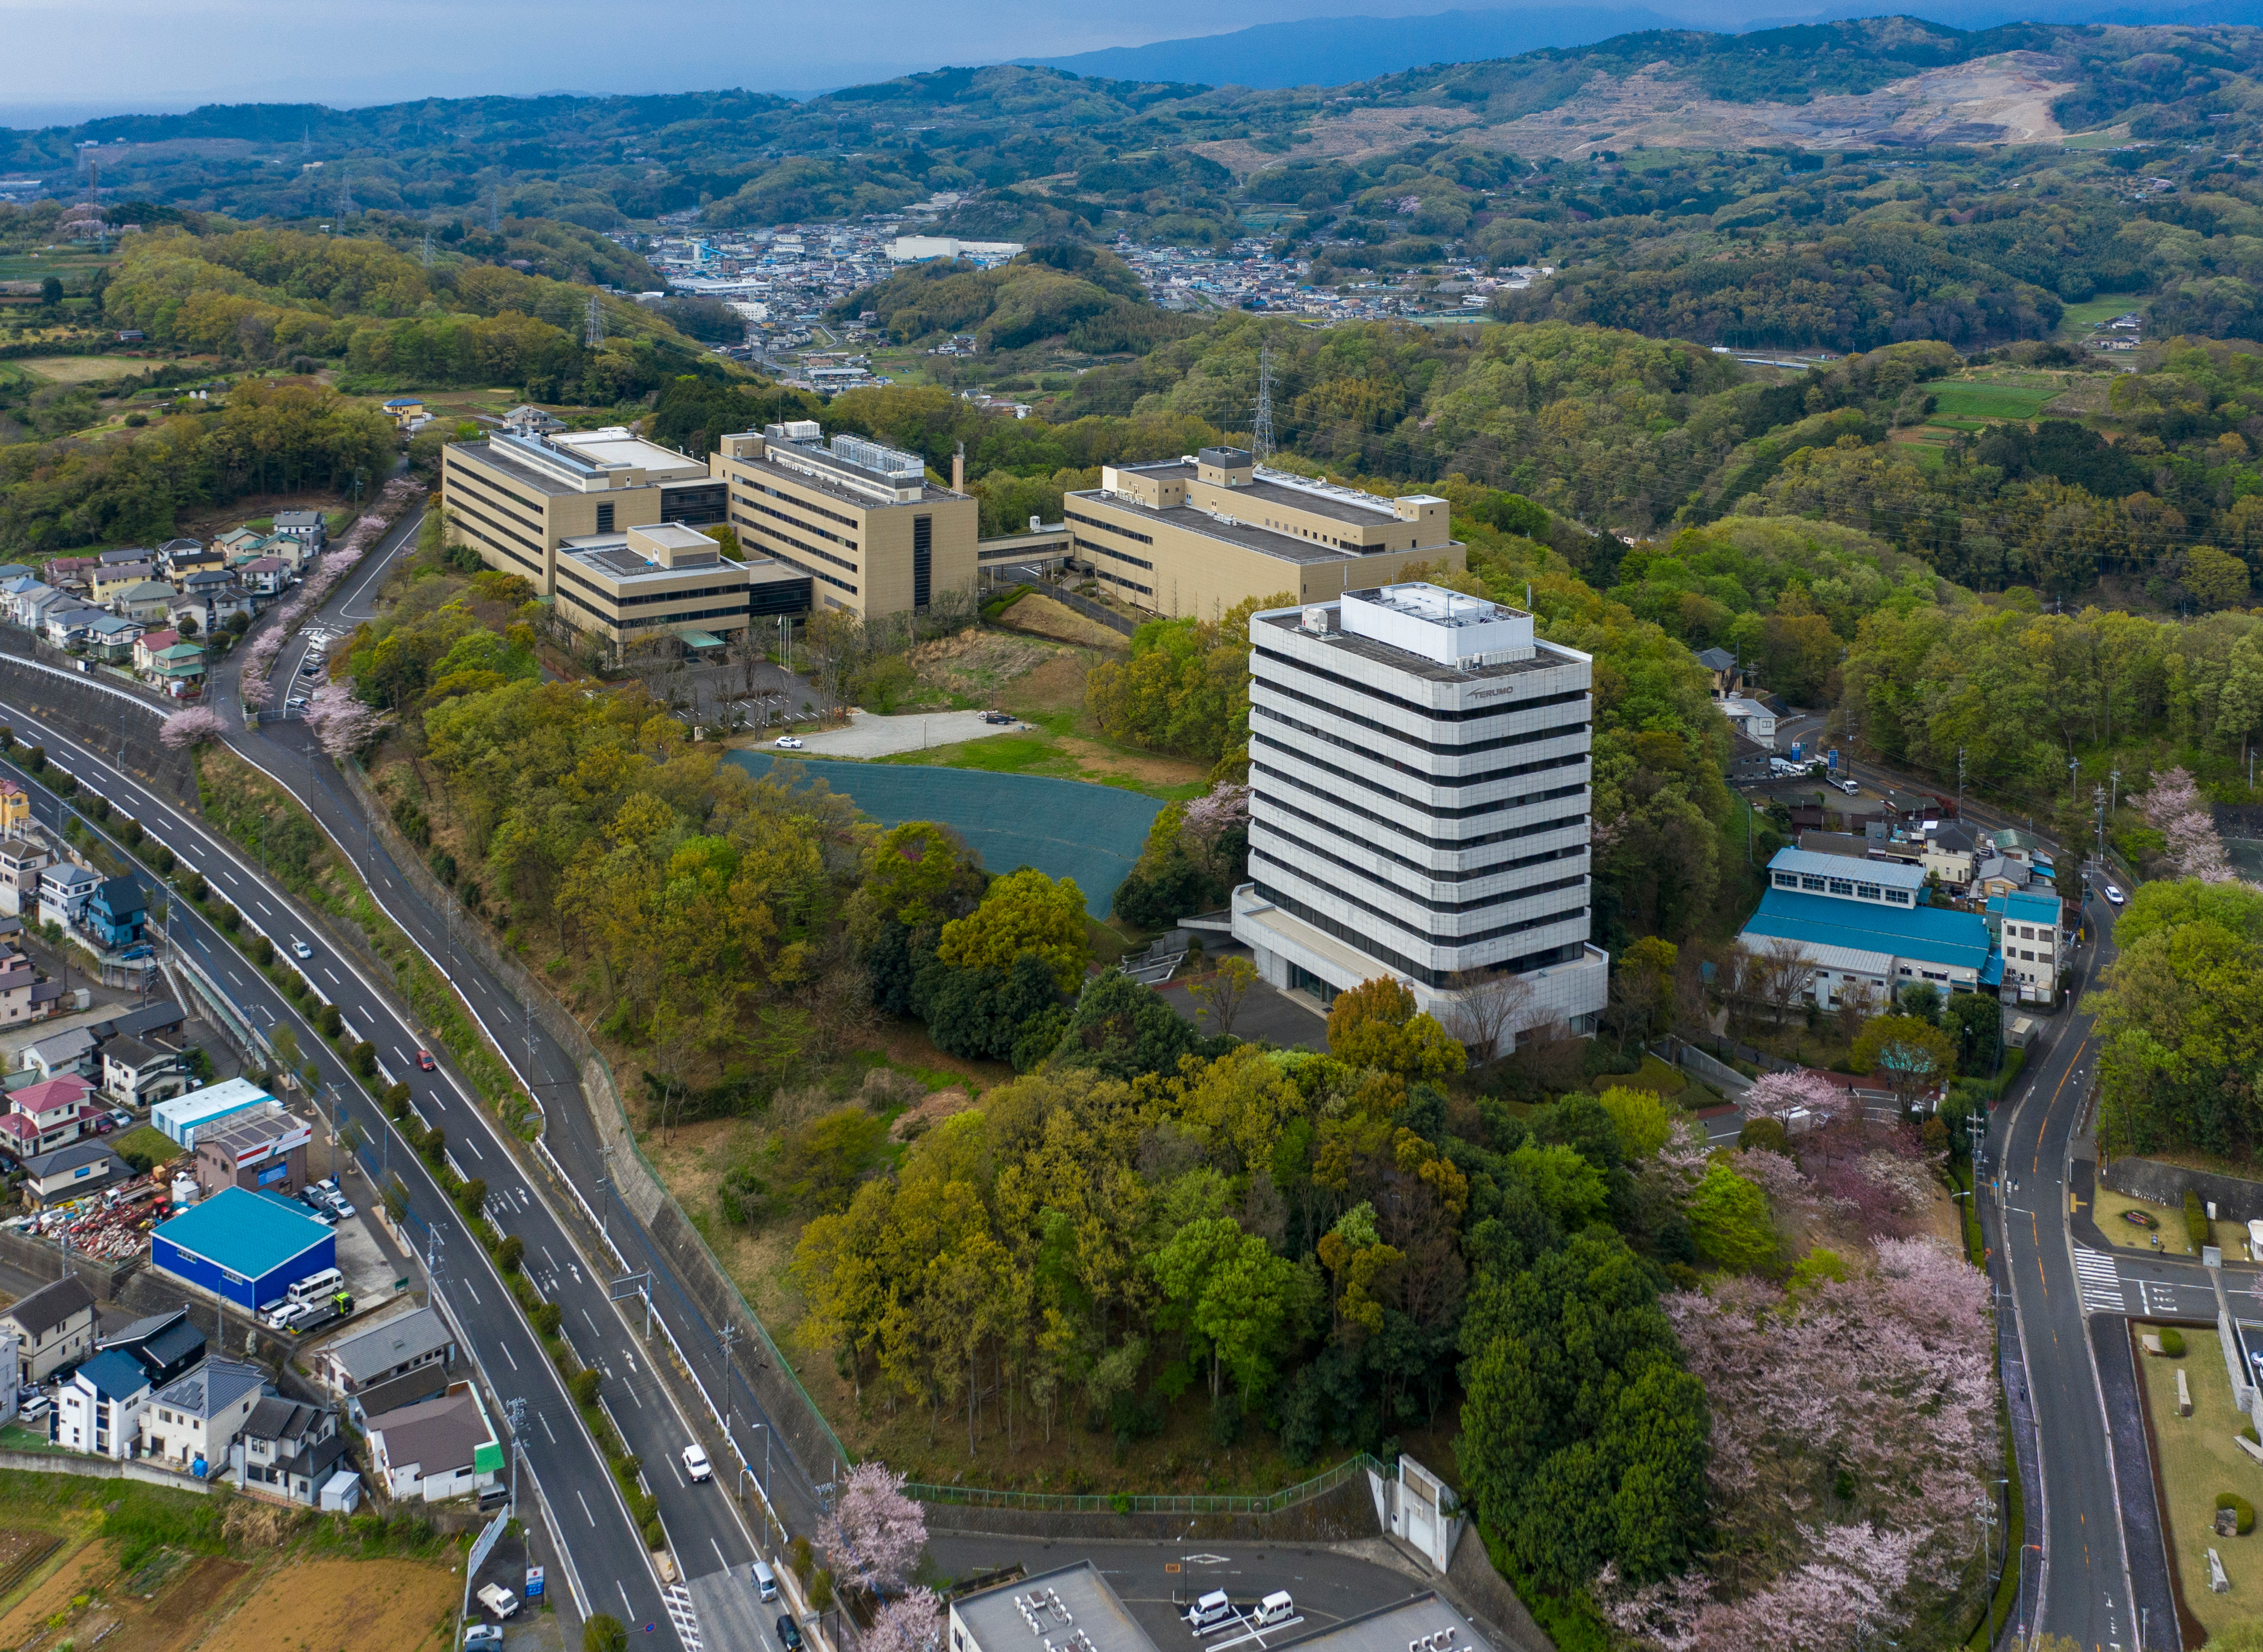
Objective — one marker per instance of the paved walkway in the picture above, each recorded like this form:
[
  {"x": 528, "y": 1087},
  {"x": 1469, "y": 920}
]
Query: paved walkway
[{"x": 872, "y": 735}]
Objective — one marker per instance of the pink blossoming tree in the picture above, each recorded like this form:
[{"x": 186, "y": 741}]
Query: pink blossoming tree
[
  {"x": 875, "y": 1533},
  {"x": 341, "y": 722},
  {"x": 192, "y": 728}
]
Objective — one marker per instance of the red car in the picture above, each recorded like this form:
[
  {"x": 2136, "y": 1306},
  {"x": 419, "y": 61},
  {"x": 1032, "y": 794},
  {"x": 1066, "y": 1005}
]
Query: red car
[{"x": 426, "y": 1062}]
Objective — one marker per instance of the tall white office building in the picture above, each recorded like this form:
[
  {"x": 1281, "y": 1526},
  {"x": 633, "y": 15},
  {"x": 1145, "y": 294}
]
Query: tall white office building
[{"x": 1419, "y": 769}]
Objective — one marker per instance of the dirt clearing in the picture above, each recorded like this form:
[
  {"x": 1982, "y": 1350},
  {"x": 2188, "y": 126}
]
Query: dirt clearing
[{"x": 335, "y": 1605}]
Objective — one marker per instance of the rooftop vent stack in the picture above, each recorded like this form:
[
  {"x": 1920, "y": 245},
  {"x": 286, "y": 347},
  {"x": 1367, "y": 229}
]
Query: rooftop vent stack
[{"x": 959, "y": 469}]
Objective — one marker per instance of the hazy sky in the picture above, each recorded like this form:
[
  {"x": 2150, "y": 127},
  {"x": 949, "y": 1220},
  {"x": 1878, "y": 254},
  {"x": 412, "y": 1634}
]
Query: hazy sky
[{"x": 71, "y": 59}]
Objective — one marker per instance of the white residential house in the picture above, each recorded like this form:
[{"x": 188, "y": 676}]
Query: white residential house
[
  {"x": 64, "y": 890},
  {"x": 1749, "y": 718},
  {"x": 196, "y": 1418},
  {"x": 53, "y": 1326},
  {"x": 98, "y": 1411}
]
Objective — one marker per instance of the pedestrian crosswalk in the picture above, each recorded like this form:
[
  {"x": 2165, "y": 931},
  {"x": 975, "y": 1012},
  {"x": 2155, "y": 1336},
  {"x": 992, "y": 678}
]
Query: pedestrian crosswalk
[
  {"x": 2098, "y": 1277},
  {"x": 678, "y": 1599}
]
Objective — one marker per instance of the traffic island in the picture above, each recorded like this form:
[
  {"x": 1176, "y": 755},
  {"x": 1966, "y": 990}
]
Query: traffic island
[{"x": 2196, "y": 1458}]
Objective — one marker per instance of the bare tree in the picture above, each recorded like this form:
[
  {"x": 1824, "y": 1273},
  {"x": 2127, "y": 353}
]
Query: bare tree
[
  {"x": 1786, "y": 977},
  {"x": 1222, "y": 992},
  {"x": 654, "y": 661},
  {"x": 1489, "y": 1010}
]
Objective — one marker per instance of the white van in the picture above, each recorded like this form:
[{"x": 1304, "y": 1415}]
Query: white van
[
  {"x": 765, "y": 1581},
  {"x": 1211, "y": 1610},
  {"x": 317, "y": 1287},
  {"x": 1276, "y": 1607}
]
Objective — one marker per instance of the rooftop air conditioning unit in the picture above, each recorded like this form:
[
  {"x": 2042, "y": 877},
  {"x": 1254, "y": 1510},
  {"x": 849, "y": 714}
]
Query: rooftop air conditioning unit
[{"x": 1319, "y": 622}]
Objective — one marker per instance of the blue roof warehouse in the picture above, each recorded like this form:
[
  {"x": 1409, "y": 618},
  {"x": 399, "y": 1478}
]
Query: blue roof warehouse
[
  {"x": 250, "y": 1248},
  {"x": 1865, "y": 927}
]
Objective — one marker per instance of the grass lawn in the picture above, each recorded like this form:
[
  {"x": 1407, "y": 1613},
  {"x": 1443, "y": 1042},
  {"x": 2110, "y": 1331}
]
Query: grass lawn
[
  {"x": 2198, "y": 1459},
  {"x": 1984, "y": 398},
  {"x": 1061, "y": 754},
  {"x": 2078, "y": 318},
  {"x": 149, "y": 1141},
  {"x": 1653, "y": 1075}
]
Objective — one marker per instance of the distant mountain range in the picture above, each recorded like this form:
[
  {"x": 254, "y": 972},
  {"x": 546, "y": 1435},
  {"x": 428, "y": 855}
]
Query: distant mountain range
[{"x": 1341, "y": 51}]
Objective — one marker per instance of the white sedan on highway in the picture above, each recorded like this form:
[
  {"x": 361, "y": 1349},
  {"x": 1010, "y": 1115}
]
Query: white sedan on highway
[{"x": 696, "y": 1463}]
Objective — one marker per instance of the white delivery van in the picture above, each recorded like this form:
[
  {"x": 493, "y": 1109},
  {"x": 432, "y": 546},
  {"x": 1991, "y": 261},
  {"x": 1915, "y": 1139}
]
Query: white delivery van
[
  {"x": 1276, "y": 1607},
  {"x": 765, "y": 1581},
  {"x": 1209, "y": 1612}
]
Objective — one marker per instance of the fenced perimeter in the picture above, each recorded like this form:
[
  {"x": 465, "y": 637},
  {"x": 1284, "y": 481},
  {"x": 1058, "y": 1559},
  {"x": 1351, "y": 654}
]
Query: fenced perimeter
[{"x": 1065, "y": 829}]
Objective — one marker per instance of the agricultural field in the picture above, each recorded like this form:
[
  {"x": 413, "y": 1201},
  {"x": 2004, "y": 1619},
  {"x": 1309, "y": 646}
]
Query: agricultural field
[
  {"x": 80, "y": 369},
  {"x": 2022, "y": 396}
]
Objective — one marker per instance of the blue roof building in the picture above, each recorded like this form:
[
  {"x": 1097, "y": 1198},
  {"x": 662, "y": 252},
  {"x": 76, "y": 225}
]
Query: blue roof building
[
  {"x": 1863, "y": 926},
  {"x": 2026, "y": 924},
  {"x": 246, "y": 1247},
  {"x": 99, "y": 1409},
  {"x": 116, "y": 913}
]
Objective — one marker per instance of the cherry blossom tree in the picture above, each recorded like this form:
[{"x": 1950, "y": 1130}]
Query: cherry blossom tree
[
  {"x": 2176, "y": 808},
  {"x": 912, "y": 1622},
  {"x": 1779, "y": 1095},
  {"x": 343, "y": 724},
  {"x": 1849, "y": 1414},
  {"x": 192, "y": 728},
  {"x": 875, "y": 1533}
]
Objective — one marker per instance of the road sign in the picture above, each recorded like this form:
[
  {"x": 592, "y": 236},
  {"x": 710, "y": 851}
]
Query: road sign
[{"x": 534, "y": 1583}]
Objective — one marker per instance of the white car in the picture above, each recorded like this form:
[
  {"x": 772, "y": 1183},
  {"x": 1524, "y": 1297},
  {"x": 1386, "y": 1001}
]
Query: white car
[
  {"x": 696, "y": 1463},
  {"x": 282, "y": 1315},
  {"x": 498, "y": 1600},
  {"x": 789, "y": 743},
  {"x": 299, "y": 949},
  {"x": 2113, "y": 894}
]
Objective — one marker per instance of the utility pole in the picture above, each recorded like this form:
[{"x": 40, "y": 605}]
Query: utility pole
[
  {"x": 1960, "y": 782},
  {"x": 514, "y": 1412},
  {"x": 2074, "y": 781},
  {"x": 2098, "y": 798},
  {"x": 729, "y": 1339}
]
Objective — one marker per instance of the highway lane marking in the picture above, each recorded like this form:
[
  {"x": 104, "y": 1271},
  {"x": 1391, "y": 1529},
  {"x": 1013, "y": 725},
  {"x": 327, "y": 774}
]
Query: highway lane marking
[
  {"x": 586, "y": 1515},
  {"x": 507, "y": 1354},
  {"x": 473, "y": 1142},
  {"x": 333, "y": 974},
  {"x": 546, "y": 1429},
  {"x": 475, "y": 1295}
]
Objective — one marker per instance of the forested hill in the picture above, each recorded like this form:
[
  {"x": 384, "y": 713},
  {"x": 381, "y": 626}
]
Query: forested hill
[{"x": 751, "y": 157}]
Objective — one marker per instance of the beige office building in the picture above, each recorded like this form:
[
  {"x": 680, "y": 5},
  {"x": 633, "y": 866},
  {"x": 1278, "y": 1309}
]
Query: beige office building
[
  {"x": 625, "y": 588},
  {"x": 874, "y": 536},
  {"x": 516, "y": 498},
  {"x": 1197, "y": 535}
]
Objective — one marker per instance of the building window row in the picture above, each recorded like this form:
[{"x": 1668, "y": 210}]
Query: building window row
[
  {"x": 1084, "y": 544},
  {"x": 1436, "y": 811},
  {"x": 819, "y": 575},
  {"x": 479, "y": 487},
  {"x": 678, "y": 595},
  {"x": 1569, "y": 951},
  {"x": 1110, "y": 527},
  {"x": 1562, "y": 760},
  {"x": 1494, "y": 869},
  {"x": 1117, "y": 579},
  {"x": 465, "y": 524},
  {"x": 1522, "y": 893},
  {"x": 770, "y": 533},
  {"x": 1434, "y": 713},
  {"x": 467, "y": 473},
  {"x": 1399, "y": 825},
  {"x": 800, "y": 503},
  {"x": 1567, "y": 915},
  {"x": 1439, "y": 748},
  {"x": 796, "y": 522}
]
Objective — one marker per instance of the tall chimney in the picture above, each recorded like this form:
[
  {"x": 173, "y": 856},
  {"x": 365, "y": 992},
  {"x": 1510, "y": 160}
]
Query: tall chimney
[{"x": 959, "y": 469}]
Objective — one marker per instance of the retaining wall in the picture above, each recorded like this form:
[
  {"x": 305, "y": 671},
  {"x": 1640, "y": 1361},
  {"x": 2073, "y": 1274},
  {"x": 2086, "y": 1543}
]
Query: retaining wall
[
  {"x": 2161, "y": 1182},
  {"x": 1341, "y": 1515},
  {"x": 44, "y": 1259},
  {"x": 100, "y": 1468},
  {"x": 102, "y": 720}
]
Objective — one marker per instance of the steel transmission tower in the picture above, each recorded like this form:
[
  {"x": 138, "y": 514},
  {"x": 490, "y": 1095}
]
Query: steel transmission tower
[
  {"x": 426, "y": 255},
  {"x": 1262, "y": 435},
  {"x": 593, "y": 323}
]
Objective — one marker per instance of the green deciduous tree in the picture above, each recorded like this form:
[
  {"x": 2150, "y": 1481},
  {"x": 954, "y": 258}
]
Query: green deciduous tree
[
  {"x": 1728, "y": 1218},
  {"x": 1025, "y": 914}
]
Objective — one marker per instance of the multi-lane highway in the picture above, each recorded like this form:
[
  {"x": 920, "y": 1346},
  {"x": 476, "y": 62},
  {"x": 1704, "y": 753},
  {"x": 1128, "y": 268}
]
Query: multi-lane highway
[
  {"x": 708, "y": 1534},
  {"x": 607, "y": 1556}
]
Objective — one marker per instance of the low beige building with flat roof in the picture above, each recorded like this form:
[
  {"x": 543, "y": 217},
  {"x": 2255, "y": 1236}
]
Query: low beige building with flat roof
[
  {"x": 515, "y": 498},
  {"x": 874, "y": 536},
  {"x": 626, "y": 587},
  {"x": 1201, "y": 534}
]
